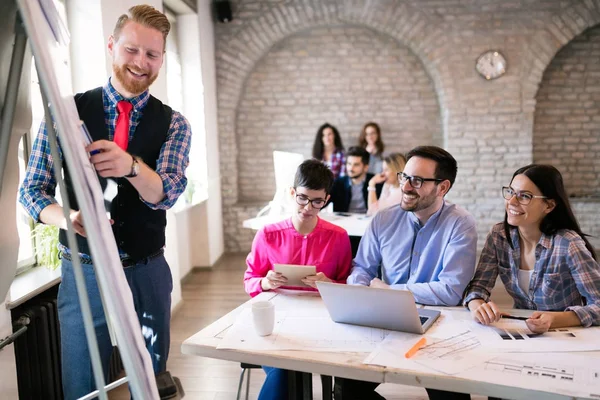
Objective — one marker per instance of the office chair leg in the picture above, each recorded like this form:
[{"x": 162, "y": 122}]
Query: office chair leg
[
  {"x": 240, "y": 384},
  {"x": 248, "y": 383}
]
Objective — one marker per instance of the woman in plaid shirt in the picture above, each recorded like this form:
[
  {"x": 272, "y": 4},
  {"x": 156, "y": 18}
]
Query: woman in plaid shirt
[
  {"x": 328, "y": 148},
  {"x": 543, "y": 258}
]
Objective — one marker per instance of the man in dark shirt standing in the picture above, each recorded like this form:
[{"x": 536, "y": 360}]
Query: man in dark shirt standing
[{"x": 142, "y": 145}]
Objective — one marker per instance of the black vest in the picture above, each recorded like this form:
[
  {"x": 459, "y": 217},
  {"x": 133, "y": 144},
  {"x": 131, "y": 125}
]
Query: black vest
[{"x": 138, "y": 229}]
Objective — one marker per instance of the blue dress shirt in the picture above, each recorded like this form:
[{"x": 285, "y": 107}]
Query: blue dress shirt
[{"x": 435, "y": 261}]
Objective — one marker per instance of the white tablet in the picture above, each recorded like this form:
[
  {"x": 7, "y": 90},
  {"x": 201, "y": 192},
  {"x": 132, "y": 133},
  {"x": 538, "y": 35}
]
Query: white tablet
[{"x": 295, "y": 273}]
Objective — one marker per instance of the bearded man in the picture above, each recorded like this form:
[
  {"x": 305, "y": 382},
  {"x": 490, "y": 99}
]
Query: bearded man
[
  {"x": 140, "y": 147},
  {"x": 424, "y": 244}
]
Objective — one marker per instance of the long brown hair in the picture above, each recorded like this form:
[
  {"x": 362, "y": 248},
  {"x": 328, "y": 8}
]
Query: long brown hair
[
  {"x": 550, "y": 182},
  {"x": 362, "y": 139},
  {"x": 318, "y": 148}
]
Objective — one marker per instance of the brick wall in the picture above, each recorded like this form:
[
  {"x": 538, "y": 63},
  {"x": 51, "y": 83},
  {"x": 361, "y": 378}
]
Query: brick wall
[
  {"x": 567, "y": 116},
  {"x": 487, "y": 126},
  {"x": 342, "y": 75}
]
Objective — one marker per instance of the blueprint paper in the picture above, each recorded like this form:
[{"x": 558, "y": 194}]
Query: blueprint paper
[
  {"x": 514, "y": 336},
  {"x": 569, "y": 374},
  {"x": 452, "y": 355},
  {"x": 302, "y": 332}
]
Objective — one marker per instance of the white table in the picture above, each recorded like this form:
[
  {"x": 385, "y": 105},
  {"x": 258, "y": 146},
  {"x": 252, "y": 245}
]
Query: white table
[
  {"x": 354, "y": 224},
  {"x": 342, "y": 364}
]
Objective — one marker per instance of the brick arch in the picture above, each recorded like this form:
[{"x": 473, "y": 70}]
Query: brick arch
[
  {"x": 543, "y": 46},
  {"x": 236, "y": 60}
]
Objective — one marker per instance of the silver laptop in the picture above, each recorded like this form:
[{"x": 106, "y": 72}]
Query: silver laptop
[{"x": 378, "y": 308}]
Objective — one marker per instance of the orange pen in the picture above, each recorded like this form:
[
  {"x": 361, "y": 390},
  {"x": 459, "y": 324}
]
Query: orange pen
[{"x": 413, "y": 350}]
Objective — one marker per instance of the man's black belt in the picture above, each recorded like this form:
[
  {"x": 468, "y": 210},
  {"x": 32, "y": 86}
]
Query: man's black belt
[{"x": 125, "y": 261}]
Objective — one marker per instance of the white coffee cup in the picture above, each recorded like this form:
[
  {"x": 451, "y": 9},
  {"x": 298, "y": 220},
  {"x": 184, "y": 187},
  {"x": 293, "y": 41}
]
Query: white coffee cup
[{"x": 263, "y": 313}]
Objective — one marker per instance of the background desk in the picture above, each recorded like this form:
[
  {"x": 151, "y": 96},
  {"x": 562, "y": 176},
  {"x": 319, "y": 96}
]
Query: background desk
[
  {"x": 347, "y": 365},
  {"x": 355, "y": 224}
]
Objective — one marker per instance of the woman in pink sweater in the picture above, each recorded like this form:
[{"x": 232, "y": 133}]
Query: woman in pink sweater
[{"x": 303, "y": 239}]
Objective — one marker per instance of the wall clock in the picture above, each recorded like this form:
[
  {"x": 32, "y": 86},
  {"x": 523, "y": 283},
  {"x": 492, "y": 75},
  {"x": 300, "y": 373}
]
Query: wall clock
[{"x": 491, "y": 64}]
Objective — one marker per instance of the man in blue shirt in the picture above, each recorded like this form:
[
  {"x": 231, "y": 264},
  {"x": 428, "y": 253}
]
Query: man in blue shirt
[{"x": 425, "y": 245}]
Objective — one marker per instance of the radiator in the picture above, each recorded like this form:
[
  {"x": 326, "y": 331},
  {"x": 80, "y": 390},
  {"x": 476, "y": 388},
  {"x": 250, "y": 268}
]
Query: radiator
[{"x": 37, "y": 351}]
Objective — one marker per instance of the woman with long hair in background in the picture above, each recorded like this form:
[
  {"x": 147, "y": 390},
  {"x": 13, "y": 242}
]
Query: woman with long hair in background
[
  {"x": 370, "y": 139},
  {"x": 328, "y": 148}
]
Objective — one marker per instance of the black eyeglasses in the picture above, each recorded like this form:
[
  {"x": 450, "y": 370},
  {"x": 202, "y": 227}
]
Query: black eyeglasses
[
  {"x": 522, "y": 197},
  {"x": 316, "y": 203},
  {"x": 415, "y": 181}
]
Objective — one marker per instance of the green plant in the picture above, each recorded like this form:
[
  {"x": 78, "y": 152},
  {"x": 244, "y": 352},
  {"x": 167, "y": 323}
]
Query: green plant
[
  {"x": 188, "y": 194},
  {"x": 46, "y": 245}
]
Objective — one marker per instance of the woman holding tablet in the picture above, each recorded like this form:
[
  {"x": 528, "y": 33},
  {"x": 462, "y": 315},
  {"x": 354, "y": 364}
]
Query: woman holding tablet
[
  {"x": 303, "y": 239},
  {"x": 541, "y": 255}
]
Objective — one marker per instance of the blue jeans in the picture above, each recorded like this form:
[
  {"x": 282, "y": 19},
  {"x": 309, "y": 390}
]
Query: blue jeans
[
  {"x": 151, "y": 284},
  {"x": 275, "y": 386}
]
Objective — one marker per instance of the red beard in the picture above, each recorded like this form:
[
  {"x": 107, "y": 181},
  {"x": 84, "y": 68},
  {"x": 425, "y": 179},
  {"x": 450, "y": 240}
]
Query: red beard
[{"x": 132, "y": 85}]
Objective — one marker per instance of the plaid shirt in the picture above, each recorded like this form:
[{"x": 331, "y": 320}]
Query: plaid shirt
[
  {"x": 39, "y": 187},
  {"x": 337, "y": 164},
  {"x": 565, "y": 276}
]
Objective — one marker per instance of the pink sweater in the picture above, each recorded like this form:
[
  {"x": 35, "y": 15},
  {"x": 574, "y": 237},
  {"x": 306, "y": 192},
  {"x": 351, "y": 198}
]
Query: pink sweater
[{"x": 327, "y": 247}]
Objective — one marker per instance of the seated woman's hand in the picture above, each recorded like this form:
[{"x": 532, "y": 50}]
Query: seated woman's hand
[
  {"x": 484, "y": 313},
  {"x": 540, "y": 322},
  {"x": 377, "y": 179},
  {"x": 311, "y": 280},
  {"x": 273, "y": 280}
]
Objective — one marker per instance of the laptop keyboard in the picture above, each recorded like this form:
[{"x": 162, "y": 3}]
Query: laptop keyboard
[{"x": 423, "y": 319}]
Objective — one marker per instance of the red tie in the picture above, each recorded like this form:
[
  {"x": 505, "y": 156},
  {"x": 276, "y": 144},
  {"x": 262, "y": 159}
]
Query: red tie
[{"x": 122, "y": 128}]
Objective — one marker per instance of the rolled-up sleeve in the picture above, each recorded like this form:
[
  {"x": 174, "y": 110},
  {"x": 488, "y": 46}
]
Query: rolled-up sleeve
[
  {"x": 39, "y": 186},
  {"x": 173, "y": 161},
  {"x": 486, "y": 273},
  {"x": 586, "y": 274}
]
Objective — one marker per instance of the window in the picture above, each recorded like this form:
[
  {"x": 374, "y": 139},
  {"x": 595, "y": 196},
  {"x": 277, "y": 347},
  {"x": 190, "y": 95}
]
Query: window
[
  {"x": 27, "y": 258},
  {"x": 24, "y": 223},
  {"x": 189, "y": 100}
]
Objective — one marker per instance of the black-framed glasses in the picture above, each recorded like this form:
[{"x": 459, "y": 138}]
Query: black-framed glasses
[
  {"x": 415, "y": 181},
  {"x": 316, "y": 203},
  {"x": 522, "y": 197}
]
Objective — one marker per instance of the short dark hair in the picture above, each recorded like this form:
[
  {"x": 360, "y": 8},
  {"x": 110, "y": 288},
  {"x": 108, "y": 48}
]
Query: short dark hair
[
  {"x": 356, "y": 151},
  {"x": 446, "y": 167},
  {"x": 550, "y": 182},
  {"x": 313, "y": 174},
  {"x": 318, "y": 147}
]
